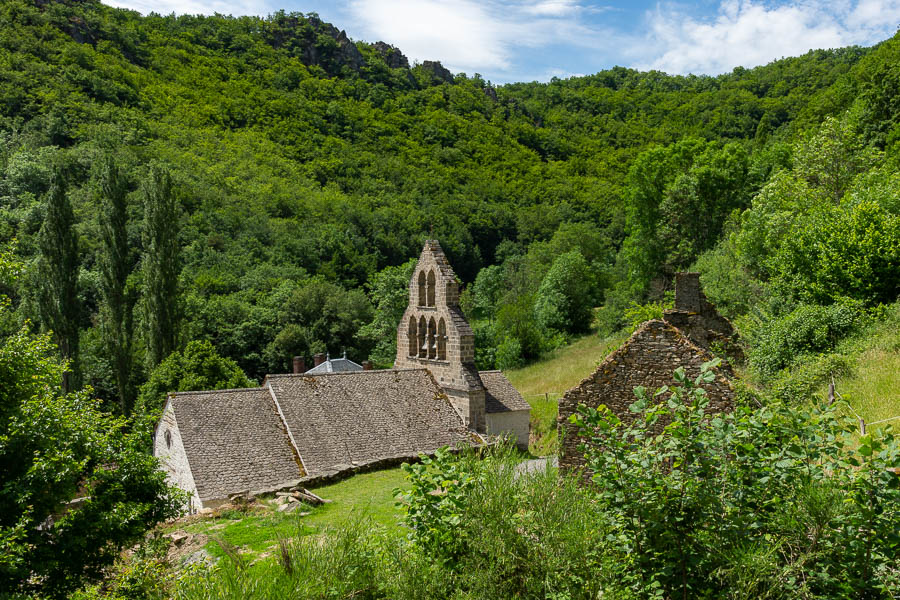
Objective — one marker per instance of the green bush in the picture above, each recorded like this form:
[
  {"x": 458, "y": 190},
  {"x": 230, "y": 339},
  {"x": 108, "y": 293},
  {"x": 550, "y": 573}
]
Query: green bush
[
  {"x": 777, "y": 343},
  {"x": 771, "y": 502}
]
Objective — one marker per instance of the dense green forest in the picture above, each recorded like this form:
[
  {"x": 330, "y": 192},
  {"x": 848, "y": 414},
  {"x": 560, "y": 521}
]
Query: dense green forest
[
  {"x": 303, "y": 170},
  {"x": 188, "y": 202}
]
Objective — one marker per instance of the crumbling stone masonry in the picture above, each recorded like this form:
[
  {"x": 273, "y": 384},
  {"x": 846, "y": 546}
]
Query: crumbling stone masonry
[{"x": 648, "y": 358}]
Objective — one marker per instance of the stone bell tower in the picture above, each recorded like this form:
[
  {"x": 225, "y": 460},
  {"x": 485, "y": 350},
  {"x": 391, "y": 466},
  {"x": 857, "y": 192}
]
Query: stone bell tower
[{"x": 434, "y": 334}]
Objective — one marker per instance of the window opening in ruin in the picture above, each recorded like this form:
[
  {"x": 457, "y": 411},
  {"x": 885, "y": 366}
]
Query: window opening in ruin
[
  {"x": 168, "y": 439},
  {"x": 442, "y": 340},
  {"x": 430, "y": 298},
  {"x": 423, "y": 347},
  {"x": 422, "y": 290},
  {"x": 413, "y": 337},
  {"x": 432, "y": 341}
]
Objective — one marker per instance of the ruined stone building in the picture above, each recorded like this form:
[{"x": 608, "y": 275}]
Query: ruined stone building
[
  {"x": 648, "y": 358},
  {"x": 341, "y": 417}
]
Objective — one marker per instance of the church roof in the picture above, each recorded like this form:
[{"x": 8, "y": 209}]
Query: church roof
[
  {"x": 234, "y": 441},
  {"x": 343, "y": 420},
  {"x": 310, "y": 425},
  {"x": 500, "y": 395}
]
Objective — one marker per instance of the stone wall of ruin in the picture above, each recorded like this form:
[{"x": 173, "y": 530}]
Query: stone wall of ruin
[{"x": 648, "y": 359}]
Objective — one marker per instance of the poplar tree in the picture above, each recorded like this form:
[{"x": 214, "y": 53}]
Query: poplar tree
[
  {"x": 116, "y": 265},
  {"x": 58, "y": 276},
  {"x": 160, "y": 264}
]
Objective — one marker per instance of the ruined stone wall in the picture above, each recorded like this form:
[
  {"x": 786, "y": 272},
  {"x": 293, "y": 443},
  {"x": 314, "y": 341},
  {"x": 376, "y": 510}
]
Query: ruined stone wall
[
  {"x": 698, "y": 319},
  {"x": 648, "y": 358}
]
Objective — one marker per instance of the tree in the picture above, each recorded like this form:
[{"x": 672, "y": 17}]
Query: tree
[
  {"x": 58, "y": 276},
  {"x": 54, "y": 446},
  {"x": 116, "y": 264},
  {"x": 198, "y": 367},
  {"x": 389, "y": 291},
  {"x": 160, "y": 263},
  {"x": 564, "y": 299}
]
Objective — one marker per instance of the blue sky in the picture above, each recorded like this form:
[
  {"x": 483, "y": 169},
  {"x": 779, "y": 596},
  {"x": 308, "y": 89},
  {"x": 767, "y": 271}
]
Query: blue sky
[{"x": 525, "y": 40}]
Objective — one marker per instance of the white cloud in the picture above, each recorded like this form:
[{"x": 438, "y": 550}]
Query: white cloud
[
  {"x": 469, "y": 35},
  {"x": 747, "y": 33}
]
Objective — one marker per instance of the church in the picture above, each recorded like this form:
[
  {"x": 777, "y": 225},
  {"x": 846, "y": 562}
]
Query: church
[{"x": 304, "y": 427}]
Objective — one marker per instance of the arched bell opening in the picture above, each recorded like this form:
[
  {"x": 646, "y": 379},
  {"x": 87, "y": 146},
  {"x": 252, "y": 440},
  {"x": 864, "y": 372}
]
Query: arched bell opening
[
  {"x": 430, "y": 294},
  {"x": 412, "y": 337},
  {"x": 442, "y": 340},
  {"x": 423, "y": 291},
  {"x": 422, "y": 348},
  {"x": 432, "y": 339}
]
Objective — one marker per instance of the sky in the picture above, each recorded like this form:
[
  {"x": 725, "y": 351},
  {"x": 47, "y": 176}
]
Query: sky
[{"x": 528, "y": 40}]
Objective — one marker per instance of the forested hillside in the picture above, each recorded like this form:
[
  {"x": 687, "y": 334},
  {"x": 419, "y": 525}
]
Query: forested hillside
[{"x": 300, "y": 172}]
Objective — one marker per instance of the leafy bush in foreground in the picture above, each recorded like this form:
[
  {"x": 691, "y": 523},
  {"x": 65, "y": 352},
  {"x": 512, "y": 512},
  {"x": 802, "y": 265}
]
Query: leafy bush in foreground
[{"x": 771, "y": 502}]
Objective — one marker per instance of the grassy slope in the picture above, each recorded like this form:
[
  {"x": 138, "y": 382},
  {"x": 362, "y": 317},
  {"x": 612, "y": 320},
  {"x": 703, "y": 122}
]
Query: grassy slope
[
  {"x": 369, "y": 496},
  {"x": 544, "y": 382},
  {"x": 873, "y": 387}
]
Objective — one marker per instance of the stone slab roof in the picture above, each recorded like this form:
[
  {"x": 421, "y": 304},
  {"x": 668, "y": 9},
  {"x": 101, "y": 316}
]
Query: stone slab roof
[
  {"x": 500, "y": 395},
  {"x": 234, "y": 441},
  {"x": 339, "y": 420}
]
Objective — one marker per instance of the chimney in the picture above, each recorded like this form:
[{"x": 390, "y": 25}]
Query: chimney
[
  {"x": 367, "y": 365},
  {"x": 299, "y": 365},
  {"x": 687, "y": 292},
  {"x": 319, "y": 358}
]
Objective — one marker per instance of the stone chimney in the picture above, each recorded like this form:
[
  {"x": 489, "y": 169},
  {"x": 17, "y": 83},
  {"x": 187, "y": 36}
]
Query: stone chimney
[
  {"x": 367, "y": 365},
  {"x": 698, "y": 319},
  {"x": 299, "y": 365},
  {"x": 318, "y": 359},
  {"x": 687, "y": 292}
]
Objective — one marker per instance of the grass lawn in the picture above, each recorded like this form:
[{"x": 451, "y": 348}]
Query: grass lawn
[
  {"x": 255, "y": 533},
  {"x": 544, "y": 382}
]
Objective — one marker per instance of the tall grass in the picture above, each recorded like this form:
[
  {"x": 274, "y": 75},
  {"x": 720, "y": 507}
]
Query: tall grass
[
  {"x": 543, "y": 383},
  {"x": 535, "y": 537}
]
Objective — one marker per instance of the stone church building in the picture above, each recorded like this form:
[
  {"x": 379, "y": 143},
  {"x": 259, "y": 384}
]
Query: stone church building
[
  {"x": 304, "y": 427},
  {"x": 648, "y": 358}
]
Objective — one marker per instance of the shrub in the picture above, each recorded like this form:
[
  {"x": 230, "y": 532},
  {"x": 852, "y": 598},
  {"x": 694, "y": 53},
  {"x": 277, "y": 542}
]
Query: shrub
[
  {"x": 851, "y": 252},
  {"x": 766, "y": 502},
  {"x": 636, "y": 314},
  {"x": 509, "y": 354},
  {"x": 778, "y": 343}
]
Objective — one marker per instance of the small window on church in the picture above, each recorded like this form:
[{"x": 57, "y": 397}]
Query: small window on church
[
  {"x": 430, "y": 288},
  {"x": 422, "y": 290},
  {"x": 442, "y": 340},
  {"x": 413, "y": 337},
  {"x": 168, "y": 439}
]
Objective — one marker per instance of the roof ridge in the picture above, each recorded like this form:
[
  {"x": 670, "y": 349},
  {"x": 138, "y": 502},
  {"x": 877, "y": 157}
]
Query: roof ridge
[
  {"x": 291, "y": 375},
  {"x": 225, "y": 391}
]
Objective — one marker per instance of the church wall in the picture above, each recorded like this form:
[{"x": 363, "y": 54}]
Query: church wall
[
  {"x": 452, "y": 362},
  {"x": 517, "y": 422},
  {"x": 173, "y": 458}
]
